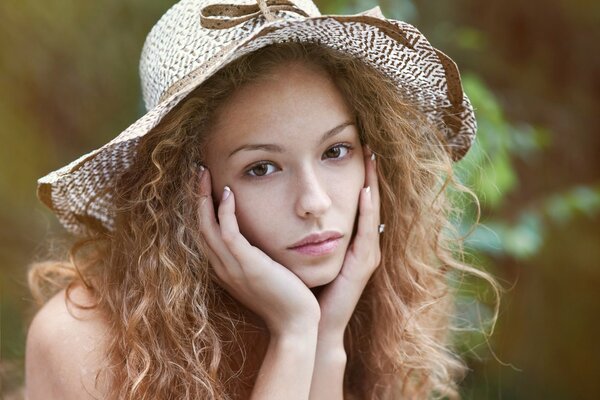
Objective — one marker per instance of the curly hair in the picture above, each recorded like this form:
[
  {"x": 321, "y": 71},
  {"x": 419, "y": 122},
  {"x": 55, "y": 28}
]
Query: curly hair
[{"x": 175, "y": 333}]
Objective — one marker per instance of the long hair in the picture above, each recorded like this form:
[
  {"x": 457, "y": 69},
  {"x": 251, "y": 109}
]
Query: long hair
[{"x": 174, "y": 333}]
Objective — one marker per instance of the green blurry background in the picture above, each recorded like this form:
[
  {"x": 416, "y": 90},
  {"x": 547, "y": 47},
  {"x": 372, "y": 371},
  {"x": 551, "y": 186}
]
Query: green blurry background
[{"x": 68, "y": 84}]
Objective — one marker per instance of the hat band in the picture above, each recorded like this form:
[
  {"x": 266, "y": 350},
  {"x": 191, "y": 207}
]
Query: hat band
[{"x": 224, "y": 16}]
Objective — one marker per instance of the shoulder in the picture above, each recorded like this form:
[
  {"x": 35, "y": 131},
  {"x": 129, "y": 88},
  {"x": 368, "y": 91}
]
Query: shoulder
[{"x": 65, "y": 349}]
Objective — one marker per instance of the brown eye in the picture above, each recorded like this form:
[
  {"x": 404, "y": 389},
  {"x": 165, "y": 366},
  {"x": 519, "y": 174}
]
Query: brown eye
[
  {"x": 337, "y": 151},
  {"x": 262, "y": 169}
]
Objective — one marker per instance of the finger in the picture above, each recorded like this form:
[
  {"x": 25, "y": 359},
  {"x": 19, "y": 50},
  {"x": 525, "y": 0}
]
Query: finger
[
  {"x": 206, "y": 212},
  {"x": 220, "y": 272},
  {"x": 237, "y": 244},
  {"x": 210, "y": 228},
  {"x": 367, "y": 220},
  {"x": 363, "y": 252},
  {"x": 249, "y": 258},
  {"x": 372, "y": 181}
]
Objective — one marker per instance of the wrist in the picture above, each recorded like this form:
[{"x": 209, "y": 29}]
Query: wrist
[
  {"x": 331, "y": 356},
  {"x": 300, "y": 325},
  {"x": 331, "y": 338},
  {"x": 331, "y": 347},
  {"x": 298, "y": 345},
  {"x": 297, "y": 333}
]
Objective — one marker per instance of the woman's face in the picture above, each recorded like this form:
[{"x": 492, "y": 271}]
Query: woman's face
[{"x": 288, "y": 148}]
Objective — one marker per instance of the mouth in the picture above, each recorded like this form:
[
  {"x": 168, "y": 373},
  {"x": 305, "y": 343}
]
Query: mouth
[{"x": 318, "y": 244}]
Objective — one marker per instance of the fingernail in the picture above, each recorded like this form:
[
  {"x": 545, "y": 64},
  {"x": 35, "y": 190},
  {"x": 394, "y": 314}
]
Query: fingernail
[{"x": 226, "y": 192}]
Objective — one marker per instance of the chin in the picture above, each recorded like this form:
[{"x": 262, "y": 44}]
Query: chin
[{"x": 314, "y": 276}]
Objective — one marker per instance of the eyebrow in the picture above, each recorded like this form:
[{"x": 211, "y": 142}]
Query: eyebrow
[{"x": 277, "y": 149}]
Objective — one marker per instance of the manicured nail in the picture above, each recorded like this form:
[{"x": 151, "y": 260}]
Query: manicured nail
[
  {"x": 201, "y": 171},
  {"x": 226, "y": 192}
]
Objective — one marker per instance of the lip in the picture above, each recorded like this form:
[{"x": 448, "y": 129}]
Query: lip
[{"x": 318, "y": 244}]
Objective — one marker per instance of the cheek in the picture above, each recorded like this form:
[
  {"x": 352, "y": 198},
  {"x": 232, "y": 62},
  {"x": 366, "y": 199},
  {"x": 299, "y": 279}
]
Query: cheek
[
  {"x": 257, "y": 216},
  {"x": 347, "y": 187},
  {"x": 218, "y": 181},
  {"x": 353, "y": 187}
]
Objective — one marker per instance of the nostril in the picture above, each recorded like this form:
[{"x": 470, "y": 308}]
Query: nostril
[{"x": 314, "y": 202}]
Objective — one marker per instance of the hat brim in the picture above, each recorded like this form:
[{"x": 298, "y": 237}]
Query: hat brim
[{"x": 78, "y": 192}]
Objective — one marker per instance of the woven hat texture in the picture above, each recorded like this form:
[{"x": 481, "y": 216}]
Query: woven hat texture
[{"x": 195, "y": 38}]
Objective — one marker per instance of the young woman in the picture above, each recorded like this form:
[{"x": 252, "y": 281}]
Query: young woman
[{"x": 276, "y": 226}]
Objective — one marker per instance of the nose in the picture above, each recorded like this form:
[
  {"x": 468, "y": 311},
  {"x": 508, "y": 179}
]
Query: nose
[{"x": 313, "y": 198}]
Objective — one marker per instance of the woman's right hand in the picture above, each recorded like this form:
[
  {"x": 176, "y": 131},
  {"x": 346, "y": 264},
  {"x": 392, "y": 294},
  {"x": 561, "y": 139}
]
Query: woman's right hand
[{"x": 264, "y": 286}]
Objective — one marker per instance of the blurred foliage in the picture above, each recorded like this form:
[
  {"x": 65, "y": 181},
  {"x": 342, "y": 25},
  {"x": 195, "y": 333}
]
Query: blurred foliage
[
  {"x": 68, "y": 78},
  {"x": 551, "y": 161},
  {"x": 489, "y": 169}
]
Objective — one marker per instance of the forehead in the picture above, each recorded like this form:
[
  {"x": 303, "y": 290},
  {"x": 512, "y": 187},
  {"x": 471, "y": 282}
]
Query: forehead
[{"x": 293, "y": 103}]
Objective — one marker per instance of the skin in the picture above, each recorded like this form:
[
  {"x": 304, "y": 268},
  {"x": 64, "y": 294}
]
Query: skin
[
  {"x": 248, "y": 234},
  {"x": 301, "y": 170},
  {"x": 309, "y": 183},
  {"x": 65, "y": 349}
]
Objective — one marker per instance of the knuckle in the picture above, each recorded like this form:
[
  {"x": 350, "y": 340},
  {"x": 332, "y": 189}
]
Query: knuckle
[
  {"x": 377, "y": 259},
  {"x": 202, "y": 211},
  {"x": 203, "y": 201},
  {"x": 253, "y": 274},
  {"x": 228, "y": 236},
  {"x": 204, "y": 227},
  {"x": 220, "y": 271},
  {"x": 203, "y": 197}
]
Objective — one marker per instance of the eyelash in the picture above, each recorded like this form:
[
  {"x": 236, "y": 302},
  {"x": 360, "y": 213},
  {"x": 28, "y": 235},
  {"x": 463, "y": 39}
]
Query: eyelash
[
  {"x": 346, "y": 146},
  {"x": 349, "y": 148}
]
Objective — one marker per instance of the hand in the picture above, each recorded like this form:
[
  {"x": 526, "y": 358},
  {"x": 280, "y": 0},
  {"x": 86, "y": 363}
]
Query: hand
[
  {"x": 267, "y": 288},
  {"x": 338, "y": 299}
]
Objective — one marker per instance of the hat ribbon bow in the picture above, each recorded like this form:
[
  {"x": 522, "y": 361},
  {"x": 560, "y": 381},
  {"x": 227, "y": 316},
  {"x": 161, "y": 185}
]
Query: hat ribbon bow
[{"x": 223, "y": 16}]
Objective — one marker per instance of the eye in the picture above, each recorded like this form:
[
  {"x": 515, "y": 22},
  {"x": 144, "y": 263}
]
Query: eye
[
  {"x": 337, "y": 151},
  {"x": 261, "y": 169}
]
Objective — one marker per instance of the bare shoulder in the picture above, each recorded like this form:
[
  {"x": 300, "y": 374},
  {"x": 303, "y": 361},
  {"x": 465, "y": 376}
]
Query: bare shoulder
[{"x": 65, "y": 350}]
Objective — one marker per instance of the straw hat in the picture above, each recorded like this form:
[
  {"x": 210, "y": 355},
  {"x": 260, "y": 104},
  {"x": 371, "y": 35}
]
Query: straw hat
[{"x": 195, "y": 38}]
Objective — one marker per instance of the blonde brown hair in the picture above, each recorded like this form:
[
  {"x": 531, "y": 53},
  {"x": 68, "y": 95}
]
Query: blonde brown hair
[{"x": 174, "y": 333}]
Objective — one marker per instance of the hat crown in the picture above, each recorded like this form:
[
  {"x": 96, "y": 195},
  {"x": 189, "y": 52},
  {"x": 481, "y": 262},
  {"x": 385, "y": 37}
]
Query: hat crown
[
  {"x": 179, "y": 44},
  {"x": 195, "y": 38}
]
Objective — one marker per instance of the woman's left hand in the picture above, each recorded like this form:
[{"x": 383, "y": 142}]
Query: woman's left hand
[{"x": 339, "y": 298}]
